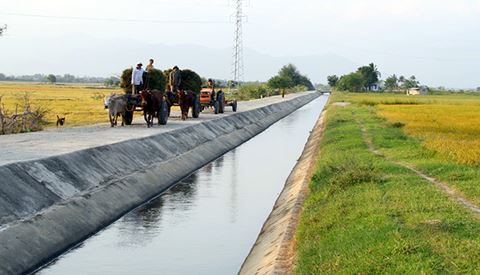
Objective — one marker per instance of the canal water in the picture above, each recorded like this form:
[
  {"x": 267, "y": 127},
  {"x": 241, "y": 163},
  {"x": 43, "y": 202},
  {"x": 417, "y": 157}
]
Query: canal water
[{"x": 208, "y": 222}]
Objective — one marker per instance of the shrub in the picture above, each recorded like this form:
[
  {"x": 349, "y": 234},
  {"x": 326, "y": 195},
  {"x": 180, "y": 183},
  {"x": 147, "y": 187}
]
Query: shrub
[
  {"x": 351, "y": 172},
  {"x": 301, "y": 88},
  {"x": 253, "y": 91},
  {"x": 30, "y": 119}
]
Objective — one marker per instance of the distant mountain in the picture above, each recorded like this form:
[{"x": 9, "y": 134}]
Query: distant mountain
[{"x": 85, "y": 56}]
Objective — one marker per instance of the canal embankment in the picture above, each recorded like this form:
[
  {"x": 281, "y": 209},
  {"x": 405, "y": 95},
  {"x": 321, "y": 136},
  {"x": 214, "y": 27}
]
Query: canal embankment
[
  {"x": 274, "y": 249},
  {"x": 50, "y": 204}
]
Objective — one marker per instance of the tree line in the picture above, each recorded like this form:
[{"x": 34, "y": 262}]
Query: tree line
[
  {"x": 367, "y": 78},
  {"x": 288, "y": 79},
  {"x": 66, "y": 78}
]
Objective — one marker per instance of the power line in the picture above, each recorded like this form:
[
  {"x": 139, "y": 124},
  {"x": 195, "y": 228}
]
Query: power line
[{"x": 111, "y": 19}]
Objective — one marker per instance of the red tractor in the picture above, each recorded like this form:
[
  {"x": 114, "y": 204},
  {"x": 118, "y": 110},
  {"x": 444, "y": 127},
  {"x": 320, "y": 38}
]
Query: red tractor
[{"x": 216, "y": 100}]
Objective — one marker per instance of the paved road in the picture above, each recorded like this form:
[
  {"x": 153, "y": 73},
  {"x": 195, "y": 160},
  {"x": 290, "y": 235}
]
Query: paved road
[{"x": 51, "y": 142}]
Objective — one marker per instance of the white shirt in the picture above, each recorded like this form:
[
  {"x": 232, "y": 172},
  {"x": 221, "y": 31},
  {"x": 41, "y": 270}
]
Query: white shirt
[{"x": 137, "y": 76}]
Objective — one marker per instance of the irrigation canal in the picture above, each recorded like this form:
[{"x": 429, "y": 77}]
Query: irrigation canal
[{"x": 208, "y": 222}]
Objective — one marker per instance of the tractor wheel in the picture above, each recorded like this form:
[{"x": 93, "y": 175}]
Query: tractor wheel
[
  {"x": 163, "y": 113},
  {"x": 234, "y": 106},
  {"x": 196, "y": 107},
  {"x": 128, "y": 117},
  {"x": 221, "y": 103}
]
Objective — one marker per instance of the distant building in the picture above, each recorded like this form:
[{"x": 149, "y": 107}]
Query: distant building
[
  {"x": 376, "y": 87},
  {"x": 417, "y": 91}
]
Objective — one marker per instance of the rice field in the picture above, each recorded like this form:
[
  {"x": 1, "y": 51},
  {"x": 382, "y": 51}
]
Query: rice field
[
  {"x": 366, "y": 214},
  {"x": 451, "y": 130},
  {"x": 80, "y": 104},
  {"x": 446, "y": 124}
]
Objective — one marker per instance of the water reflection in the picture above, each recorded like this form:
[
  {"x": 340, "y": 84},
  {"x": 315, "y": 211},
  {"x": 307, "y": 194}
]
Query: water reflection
[
  {"x": 233, "y": 188},
  {"x": 208, "y": 222},
  {"x": 141, "y": 225}
]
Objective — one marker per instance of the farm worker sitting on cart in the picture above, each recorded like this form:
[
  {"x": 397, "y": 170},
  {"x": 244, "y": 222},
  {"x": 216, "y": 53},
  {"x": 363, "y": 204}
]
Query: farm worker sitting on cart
[
  {"x": 174, "y": 82},
  {"x": 211, "y": 84},
  {"x": 149, "y": 74},
  {"x": 137, "y": 79}
]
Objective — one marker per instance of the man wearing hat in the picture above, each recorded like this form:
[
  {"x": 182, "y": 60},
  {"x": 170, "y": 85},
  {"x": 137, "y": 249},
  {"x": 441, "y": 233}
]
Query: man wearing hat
[{"x": 137, "y": 78}]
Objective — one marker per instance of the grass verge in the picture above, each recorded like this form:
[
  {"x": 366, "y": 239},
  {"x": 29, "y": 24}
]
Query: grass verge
[{"x": 366, "y": 214}]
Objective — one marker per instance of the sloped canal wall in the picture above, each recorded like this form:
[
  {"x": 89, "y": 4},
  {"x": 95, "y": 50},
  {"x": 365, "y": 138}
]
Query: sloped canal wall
[{"x": 49, "y": 205}]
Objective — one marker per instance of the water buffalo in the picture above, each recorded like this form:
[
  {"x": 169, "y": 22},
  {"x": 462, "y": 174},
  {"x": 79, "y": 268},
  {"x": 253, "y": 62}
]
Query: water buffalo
[
  {"x": 117, "y": 106},
  {"x": 154, "y": 105}
]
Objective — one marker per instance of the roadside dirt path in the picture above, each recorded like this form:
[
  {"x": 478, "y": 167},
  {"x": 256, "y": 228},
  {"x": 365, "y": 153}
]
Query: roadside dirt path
[{"x": 452, "y": 193}]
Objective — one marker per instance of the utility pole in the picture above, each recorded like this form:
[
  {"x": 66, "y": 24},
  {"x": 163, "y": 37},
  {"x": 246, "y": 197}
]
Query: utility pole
[{"x": 237, "y": 65}]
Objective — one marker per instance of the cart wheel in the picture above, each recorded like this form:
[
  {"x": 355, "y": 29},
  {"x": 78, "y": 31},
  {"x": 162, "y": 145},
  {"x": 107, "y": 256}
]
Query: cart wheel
[
  {"x": 196, "y": 107},
  {"x": 216, "y": 107},
  {"x": 221, "y": 103},
  {"x": 163, "y": 113}
]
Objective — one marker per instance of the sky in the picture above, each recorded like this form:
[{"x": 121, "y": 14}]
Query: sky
[{"x": 436, "y": 40}]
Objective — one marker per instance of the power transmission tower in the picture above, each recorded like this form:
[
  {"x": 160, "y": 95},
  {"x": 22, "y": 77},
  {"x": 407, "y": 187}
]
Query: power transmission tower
[{"x": 237, "y": 65}]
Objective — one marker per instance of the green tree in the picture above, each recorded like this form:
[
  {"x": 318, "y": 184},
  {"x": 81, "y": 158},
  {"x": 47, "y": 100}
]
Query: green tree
[
  {"x": 332, "y": 80},
  {"x": 68, "y": 78},
  {"x": 370, "y": 75},
  {"x": 281, "y": 82},
  {"x": 391, "y": 83},
  {"x": 409, "y": 83},
  {"x": 52, "y": 79},
  {"x": 293, "y": 74},
  {"x": 112, "y": 81},
  {"x": 352, "y": 82},
  {"x": 305, "y": 82},
  {"x": 401, "y": 80}
]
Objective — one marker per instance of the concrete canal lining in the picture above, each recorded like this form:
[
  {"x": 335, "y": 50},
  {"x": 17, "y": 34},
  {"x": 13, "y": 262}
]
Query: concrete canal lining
[
  {"x": 274, "y": 250},
  {"x": 48, "y": 205}
]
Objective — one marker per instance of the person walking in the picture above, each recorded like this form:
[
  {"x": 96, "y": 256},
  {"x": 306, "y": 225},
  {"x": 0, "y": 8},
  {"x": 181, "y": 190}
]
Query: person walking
[{"x": 137, "y": 78}]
